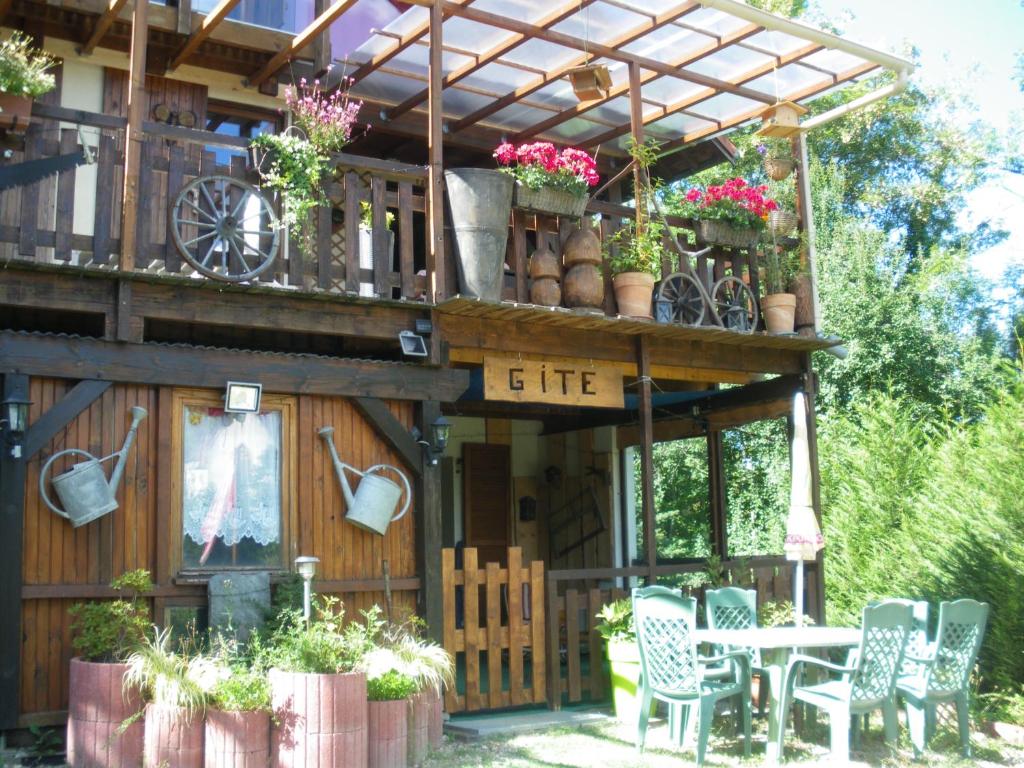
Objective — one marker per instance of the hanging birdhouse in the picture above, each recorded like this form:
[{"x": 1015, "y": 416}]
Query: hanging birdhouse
[
  {"x": 590, "y": 81},
  {"x": 781, "y": 120}
]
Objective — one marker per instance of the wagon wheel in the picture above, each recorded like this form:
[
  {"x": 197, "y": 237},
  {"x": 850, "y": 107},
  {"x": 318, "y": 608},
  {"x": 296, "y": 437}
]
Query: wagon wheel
[
  {"x": 684, "y": 293},
  {"x": 225, "y": 228},
  {"x": 735, "y": 304}
]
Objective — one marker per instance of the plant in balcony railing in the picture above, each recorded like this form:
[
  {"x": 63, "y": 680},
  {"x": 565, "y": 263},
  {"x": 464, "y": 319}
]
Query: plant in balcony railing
[
  {"x": 728, "y": 214},
  {"x": 548, "y": 181},
  {"x": 24, "y": 75}
]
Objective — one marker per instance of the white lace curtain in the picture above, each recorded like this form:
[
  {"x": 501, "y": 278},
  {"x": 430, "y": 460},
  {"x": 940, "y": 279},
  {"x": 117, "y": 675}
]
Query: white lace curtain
[{"x": 232, "y": 477}]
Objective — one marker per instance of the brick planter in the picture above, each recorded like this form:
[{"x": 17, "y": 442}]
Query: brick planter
[
  {"x": 173, "y": 740},
  {"x": 388, "y": 733},
  {"x": 320, "y": 720},
  {"x": 97, "y": 705},
  {"x": 419, "y": 726},
  {"x": 435, "y": 718},
  {"x": 237, "y": 739}
]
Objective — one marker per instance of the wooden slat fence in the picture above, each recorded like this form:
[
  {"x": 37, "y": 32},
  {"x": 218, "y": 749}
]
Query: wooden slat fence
[{"x": 499, "y": 642}]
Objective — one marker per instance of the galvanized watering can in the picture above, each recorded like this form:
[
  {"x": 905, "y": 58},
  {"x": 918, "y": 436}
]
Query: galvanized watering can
[
  {"x": 84, "y": 490},
  {"x": 373, "y": 506}
]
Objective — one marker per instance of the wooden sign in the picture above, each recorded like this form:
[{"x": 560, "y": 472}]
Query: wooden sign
[{"x": 555, "y": 382}]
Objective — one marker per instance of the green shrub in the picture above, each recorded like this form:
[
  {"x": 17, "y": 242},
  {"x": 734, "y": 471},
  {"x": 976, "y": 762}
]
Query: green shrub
[
  {"x": 326, "y": 645},
  {"x": 245, "y": 690},
  {"x": 391, "y": 686},
  {"x": 110, "y": 630}
]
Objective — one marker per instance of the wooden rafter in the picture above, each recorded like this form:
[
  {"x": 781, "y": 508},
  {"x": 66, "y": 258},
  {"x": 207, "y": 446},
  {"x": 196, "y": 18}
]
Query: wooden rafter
[
  {"x": 525, "y": 90},
  {"x": 384, "y": 57},
  {"x": 487, "y": 57},
  {"x": 5, "y": 6},
  {"x": 300, "y": 41},
  {"x": 623, "y": 88},
  {"x": 608, "y": 52},
  {"x": 209, "y": 23},
  {"x": 697, "y": 98},
  {"x": 103, "y": 23}
]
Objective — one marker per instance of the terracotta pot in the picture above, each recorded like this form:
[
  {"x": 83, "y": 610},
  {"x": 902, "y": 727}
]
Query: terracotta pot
[
  {"x": 420, "y": 711},
  {"x": 320, "y": 721},
  {"x": 435, "y": 717},
  {"x": 15, "y": 112},
  {"x": 388, "y": 733},
  {"x": 779, "y": 310},
  {"x": 237, "y": 739},
  {"x": 633, "y": 293},
  {"x": 97, "y": 705},
  {"x": 173, "y": 739}
]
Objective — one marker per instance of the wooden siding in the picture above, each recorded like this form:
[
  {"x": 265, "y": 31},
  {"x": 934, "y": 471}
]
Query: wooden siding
[{"x": 63, "y": 564}]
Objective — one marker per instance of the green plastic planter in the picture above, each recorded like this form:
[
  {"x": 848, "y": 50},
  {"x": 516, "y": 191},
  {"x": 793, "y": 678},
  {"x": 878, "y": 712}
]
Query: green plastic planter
[{"x": 624, "y": 664}]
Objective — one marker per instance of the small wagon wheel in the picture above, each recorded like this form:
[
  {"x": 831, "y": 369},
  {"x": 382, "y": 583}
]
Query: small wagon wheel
[
  {"x": 225, "y": 228},
  {"x": 686, "y": 297},
  {"x": 735, "y": 304}
]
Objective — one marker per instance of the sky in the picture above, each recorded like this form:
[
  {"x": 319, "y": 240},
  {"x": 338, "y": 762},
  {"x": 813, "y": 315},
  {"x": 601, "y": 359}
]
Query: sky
[{"x": 974, "y": 42}]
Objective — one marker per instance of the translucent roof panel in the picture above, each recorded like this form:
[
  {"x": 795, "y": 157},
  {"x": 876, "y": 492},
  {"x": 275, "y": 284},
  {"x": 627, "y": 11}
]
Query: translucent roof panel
[{"x": 736, "y": 61}]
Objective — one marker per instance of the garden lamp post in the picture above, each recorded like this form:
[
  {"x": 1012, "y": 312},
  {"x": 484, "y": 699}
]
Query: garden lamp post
[{"x": 306, "y": 566}]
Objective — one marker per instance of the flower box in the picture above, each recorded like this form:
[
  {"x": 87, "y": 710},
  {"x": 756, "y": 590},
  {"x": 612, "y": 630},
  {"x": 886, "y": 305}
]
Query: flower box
[
  {"x": 717, "y": 232},
  {"x": 549, "y": 200}
]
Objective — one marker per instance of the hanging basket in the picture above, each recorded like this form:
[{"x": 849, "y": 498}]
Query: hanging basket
[
  {"x": 716, "y": 232},
  {"x": 549, "y": 200},
  {"x": 781, "y": 223},
  {"x": 779, "y": 168}
]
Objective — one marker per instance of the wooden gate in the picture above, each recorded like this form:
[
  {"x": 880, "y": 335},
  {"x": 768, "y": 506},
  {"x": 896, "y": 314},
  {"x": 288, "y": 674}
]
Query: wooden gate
[{"x": 494, "y": 628}]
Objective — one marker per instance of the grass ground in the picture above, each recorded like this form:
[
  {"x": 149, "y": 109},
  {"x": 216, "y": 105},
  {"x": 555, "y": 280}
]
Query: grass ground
[{"x": 610, "y": 745}]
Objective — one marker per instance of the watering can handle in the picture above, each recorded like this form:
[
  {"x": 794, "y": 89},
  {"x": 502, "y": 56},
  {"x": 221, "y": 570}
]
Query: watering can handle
[
  {"x": 405, "y": 482},
  {"x": 44, "y": 474}
]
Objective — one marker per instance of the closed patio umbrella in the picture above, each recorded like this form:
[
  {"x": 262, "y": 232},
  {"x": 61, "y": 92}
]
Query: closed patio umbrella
[{"x": 803, "y": 536}]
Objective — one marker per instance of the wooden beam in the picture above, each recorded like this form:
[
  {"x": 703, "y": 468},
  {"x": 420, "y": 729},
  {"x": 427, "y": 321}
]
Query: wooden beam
[
  {"x": 184, "y": 21},
  {"x": 178, "y": 365},
  {"x": 133, "y": 135},
  {"x": 322, "y": 44},
  {"x": 812, "y": 446},
  {"x": 428, "y": 531},
  {"x": 643, "y": 363},
  {"x": 5, "y": 6},
  {"x": 692, "y": 100},
  {"x": 623, "y": 88},
  {"x": 436, "y": 267},
  {"x": 392, "y": 431},
  {"x": 209, "y": 23},
  {"x": 489, "y": 56},
  {"x": 300, "y": 41},
  {"x": 717, "y": 495},
  {"x": 12, "y": 511},
  {"x": 636, "y": 123},
  {"x": 103, "y": 24},
  {"x": 60, "y": 415},
  {"x": 609, "y": 52}
]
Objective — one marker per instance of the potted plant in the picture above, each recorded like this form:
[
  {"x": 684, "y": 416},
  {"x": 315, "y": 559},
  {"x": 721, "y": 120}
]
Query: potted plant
[
  {"x": 623, "y": 655},
  {"x": 237, "y": 733},
  {"x": 295, "y": 162},
  {"x": 367, "y": 257},
  {"x": 177, "y": 686},
  {"x": 548, "y": 181},
  {"x": 777, "y": 157},
  {"x": 730, "y": 214},
  {"x": 779, "y": 305},
  {"x": 24, "y": 76},
  {"x": 479, "y": 206},
  {"x": 104, "y": 634},
  {"x": 317, "y": 695}
]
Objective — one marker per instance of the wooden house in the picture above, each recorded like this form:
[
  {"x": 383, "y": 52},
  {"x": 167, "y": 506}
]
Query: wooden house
[{"x": 100, "y": 312}]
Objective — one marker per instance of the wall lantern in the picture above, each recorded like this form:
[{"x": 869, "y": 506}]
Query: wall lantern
[
  {"x": 590, "y": 82},
  {"x": 14, "y": 421},
  {"x": 663, "y": 311},
  {"x": 306, "y": 566},
  {"x": 440, "y": 432},
  {"x": 413, "y": 345},
  {"x": 242, "y": 397},
  {"x": 781, "y": 120}
]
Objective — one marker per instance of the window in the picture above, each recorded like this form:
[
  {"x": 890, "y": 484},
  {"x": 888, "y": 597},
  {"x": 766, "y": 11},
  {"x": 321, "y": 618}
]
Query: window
[
  {"x": 240, "y": 122},
  {"x": 233, "y": 499}
]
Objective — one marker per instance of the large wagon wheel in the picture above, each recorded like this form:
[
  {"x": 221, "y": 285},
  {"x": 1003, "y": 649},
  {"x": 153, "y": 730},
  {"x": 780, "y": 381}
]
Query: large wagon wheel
[
  {"x": 225, "y": 228},
  {"x": 735, "y": 304},
  {"x": 685, "y": 295}
]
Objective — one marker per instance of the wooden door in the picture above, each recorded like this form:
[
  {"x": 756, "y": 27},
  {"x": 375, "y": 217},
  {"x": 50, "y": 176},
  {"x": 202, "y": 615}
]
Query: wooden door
[{"x": 487, "y": 491}]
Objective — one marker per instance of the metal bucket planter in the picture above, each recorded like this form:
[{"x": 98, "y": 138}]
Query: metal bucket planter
[
  {"x": 480, "y": 202},
  {"x": 320, "y": 721},
  {"x": 237, "y": 739},
  {"x": 367, "y": 258},
  {"x": 173, "y": 739},
  {"x": 97, "y": 705},
  {"x": 550, "y": 200},
  {"x": 388, "y": 733}
]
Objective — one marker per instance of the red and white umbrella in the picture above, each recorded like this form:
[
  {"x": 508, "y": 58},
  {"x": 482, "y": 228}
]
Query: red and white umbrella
[{"x": 803, "y": 535}]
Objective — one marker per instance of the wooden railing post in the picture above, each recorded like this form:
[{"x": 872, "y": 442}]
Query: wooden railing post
[
  {"x": 435, "y": 189},
  {"x": 133, "y": 134}
]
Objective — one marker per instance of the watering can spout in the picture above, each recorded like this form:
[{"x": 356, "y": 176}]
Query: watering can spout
[
  {"x": 327, "y": 433},
  {"x": 138, "y": 414}
]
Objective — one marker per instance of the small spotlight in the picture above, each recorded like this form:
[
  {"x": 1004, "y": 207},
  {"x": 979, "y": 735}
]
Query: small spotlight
[
  {"x": 243, "y": 397},
  {"x": 413, "y": 345}
]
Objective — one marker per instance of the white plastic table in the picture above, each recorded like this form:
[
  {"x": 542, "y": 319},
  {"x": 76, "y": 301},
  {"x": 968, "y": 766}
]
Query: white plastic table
[{"x": 775, "y": 644}]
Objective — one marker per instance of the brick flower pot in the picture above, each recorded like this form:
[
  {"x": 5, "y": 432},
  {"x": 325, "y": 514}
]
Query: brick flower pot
[
  {"x": 388, "y": 733},
  {"x": 320, "y": 720},
  {"x": 173, "y": 739},
  {"x": 435, "y": 718},
  {"x": 419, "y": 726},
  {"x": 97, "y": 705},
  {"x": 237, "y": 739}
]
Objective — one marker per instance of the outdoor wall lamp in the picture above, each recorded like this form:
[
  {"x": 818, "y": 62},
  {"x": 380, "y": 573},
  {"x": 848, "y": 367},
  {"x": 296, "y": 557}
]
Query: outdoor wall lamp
[
  {"x": 14, "y": 421},
  {"x": 306, "y": 566},
  {"x": 242, "y": 397},
  {"x": 440, "y": 431}
]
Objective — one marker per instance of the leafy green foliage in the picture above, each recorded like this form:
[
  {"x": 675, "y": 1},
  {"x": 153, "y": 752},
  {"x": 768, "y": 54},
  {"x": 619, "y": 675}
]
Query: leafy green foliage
[
  {"x": 391, "y": 686},
  {"x": 25, "y": 70},
  {"x": 617, "y": 621},
  {"x": 110, "y": 630},
  {"x": 324, "y": 646},
  {"x": 779, "y": 613},
  {"x": 637, "y": 246},
  {"x": 243, "y": 690},
  {"x": 173, "y": 678}
]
